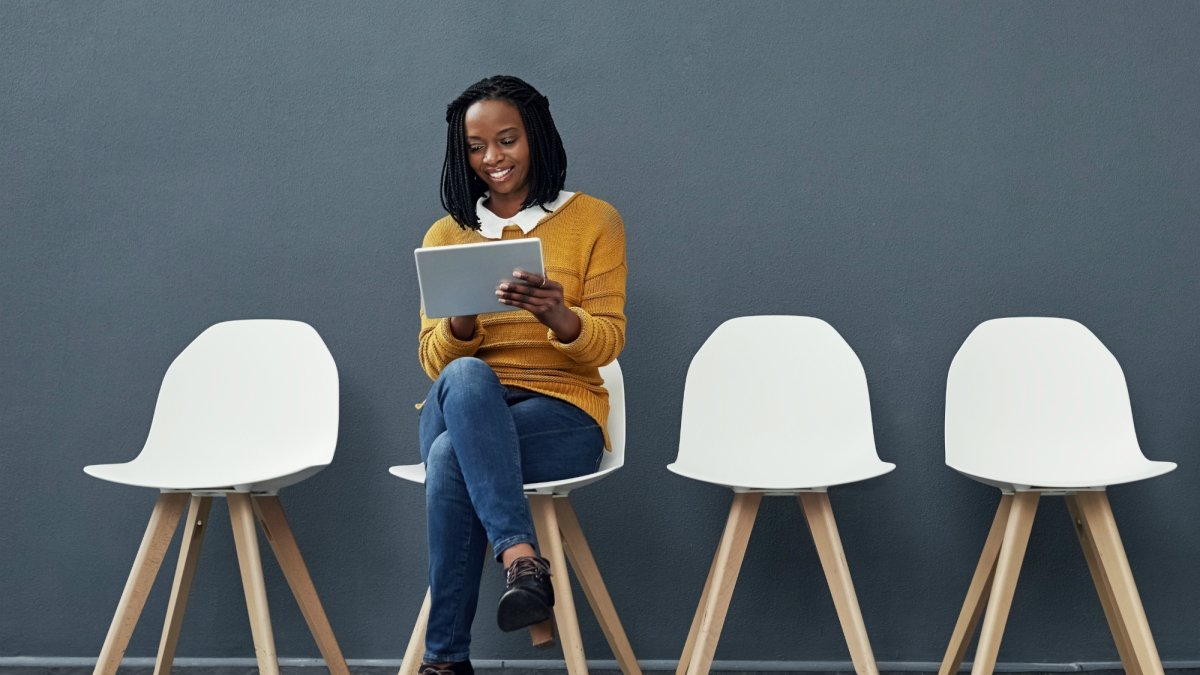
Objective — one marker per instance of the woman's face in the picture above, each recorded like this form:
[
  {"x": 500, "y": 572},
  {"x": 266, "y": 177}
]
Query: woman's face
[{"x": 498, "y": 148}]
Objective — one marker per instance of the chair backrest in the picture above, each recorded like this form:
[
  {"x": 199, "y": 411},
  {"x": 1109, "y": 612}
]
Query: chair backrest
[
  {"x": 1042, "y": 394},
  {"x": 770, "y": 397},
  {"x": 614, "y": 382},
  {"x": 261, "y": 393}
]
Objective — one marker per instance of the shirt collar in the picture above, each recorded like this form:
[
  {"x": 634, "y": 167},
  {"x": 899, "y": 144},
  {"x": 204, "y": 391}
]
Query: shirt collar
[{"x": 492, "y": 226}]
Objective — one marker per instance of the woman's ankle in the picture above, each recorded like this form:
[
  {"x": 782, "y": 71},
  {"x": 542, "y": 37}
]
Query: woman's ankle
[{"x": 516, "y": 551}]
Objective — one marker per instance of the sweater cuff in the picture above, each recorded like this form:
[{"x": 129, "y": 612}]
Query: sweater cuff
[
  {"x": 454, "y": 345},
  {"x": 580, "y": 344}
]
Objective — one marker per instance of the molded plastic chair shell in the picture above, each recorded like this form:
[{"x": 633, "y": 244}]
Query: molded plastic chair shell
[
  {"x": 777, "y": 404},
  {"x": 612, "y": 460},
  {"x": 248, "y": 406},
  {"x": 1040, "y": 402}
]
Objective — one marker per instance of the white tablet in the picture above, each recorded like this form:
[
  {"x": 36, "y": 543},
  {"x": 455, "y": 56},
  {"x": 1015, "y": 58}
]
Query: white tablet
[{"x": 461, "y": 279}]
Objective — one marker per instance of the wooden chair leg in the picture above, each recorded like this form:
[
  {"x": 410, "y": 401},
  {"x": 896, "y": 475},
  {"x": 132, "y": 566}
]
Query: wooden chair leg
[
  {"x": 245, "y": 538},
  {"x": 415, "y": 652},
  {"x": 541, "y": 635},
  {"x": 580, "y": 556},
  {"x": 1104, "y": 590},
  {"x": 545, "y": 521},
  {"x": 185, "y": 570},
  {"x": 685, "y": 659},
  {"x": 155, "y": 542},
  {"x": 1102, "y": 528},
  {"x": 819, "y": 513},
  {"x": 728, "y": 564},
  {"x": 977, "y": 592},
  {"x": 1008, "y": 568},
  {"x": 275, "y": 525}
]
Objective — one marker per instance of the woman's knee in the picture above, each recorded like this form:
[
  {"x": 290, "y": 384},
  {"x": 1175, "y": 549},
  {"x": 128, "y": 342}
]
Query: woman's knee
[{"x": 466, "y": 371}]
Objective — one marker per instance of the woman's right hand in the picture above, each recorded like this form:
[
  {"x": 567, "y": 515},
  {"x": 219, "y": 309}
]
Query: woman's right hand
[{"x": 463, "y": 327}]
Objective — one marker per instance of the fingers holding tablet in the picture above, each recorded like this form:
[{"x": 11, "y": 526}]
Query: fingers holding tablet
[
  {"x": 532, "y": 292},
  {"x": 543, "y": 297}
]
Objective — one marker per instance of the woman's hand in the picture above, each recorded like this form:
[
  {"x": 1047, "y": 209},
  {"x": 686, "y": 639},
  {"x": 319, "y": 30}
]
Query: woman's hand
[{"x": 542, "y": 297}]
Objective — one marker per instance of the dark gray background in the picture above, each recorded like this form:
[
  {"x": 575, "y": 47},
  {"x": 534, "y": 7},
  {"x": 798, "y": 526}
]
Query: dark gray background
[{"x": 903, "y": 171}]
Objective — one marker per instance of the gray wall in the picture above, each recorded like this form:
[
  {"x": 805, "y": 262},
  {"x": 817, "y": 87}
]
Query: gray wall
[{"x": 903, "y": 171}]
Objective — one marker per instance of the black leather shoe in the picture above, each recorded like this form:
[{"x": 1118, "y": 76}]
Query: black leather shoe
[
  {"x": 528, "y": 595},
  {"x": 456, "y": 668}
]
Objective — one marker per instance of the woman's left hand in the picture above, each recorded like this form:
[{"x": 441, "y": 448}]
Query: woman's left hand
[{"x": 542, "y": 297}]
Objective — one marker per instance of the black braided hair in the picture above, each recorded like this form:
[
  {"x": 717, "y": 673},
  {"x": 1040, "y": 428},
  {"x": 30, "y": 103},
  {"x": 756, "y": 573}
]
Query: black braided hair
[{"x": 462, "y": 188}]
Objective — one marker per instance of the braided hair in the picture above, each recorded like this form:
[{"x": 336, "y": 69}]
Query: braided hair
[{"x": 462, "y": 188}]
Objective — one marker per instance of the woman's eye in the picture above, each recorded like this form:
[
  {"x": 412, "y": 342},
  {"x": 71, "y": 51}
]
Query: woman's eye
[
  {"x": 474, "y": 148},
  {"x": 508, "y": 141}
]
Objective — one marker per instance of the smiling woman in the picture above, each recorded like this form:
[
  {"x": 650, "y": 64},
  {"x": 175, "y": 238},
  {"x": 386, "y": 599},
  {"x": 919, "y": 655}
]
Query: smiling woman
[
  {"x": 517, "y": 396},
  {"x": 499, "y": 154}
]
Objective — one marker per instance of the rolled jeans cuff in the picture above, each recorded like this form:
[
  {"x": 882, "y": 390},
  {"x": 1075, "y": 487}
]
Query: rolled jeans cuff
[
  {"x": 442, "y": 658},
  {"x": 508, "y": 542}
]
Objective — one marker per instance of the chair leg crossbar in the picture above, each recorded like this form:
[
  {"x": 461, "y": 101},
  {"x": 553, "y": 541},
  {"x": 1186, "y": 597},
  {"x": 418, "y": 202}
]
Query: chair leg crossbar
[
  {"x": 701, "y": 645},
  {"x": 561, "y": 540},
  {"x": 995, "y": 581},
  {"x": 244, "y": 511}
]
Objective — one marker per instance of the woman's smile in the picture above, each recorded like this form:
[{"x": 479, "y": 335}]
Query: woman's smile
[{"x": 500, "y": 175}]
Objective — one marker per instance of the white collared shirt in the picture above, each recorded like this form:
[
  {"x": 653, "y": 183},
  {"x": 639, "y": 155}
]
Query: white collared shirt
[{"x": 492, "y": 226}]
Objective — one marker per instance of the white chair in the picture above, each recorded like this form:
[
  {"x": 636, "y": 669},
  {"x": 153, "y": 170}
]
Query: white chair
[
  {"x": 776, "y": 405},
  {"x": 558, "y": 530},
  {"x": 248, "y": 408},
  {"x": 1038, "y": 406}
]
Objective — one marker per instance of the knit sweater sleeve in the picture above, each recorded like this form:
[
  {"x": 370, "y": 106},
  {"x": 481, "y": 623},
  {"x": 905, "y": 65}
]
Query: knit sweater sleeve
[
  {"x": 601, "y": 310},
  {"x": 437, "y": 346}
]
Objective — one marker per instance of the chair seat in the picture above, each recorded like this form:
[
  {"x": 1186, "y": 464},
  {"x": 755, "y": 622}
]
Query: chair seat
[
  {"x": 813, "y": 478},
  {"x": 1079, "y": 476},
  {"x": 161, "y": 476},
  {"x": 416, "y": 473}
]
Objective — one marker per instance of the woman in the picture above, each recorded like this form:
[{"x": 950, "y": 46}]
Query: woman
[{"x": 517, "y": 396}]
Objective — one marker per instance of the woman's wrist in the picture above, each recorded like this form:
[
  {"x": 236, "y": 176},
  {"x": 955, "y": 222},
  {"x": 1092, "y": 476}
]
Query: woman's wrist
[
  {"x": 462, "y": 327},
  {"x": 566, "y": 325}
]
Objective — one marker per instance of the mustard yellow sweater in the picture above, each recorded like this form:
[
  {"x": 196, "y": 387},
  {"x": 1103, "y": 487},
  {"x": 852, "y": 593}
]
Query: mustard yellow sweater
[{"x": 583, "y": 247}]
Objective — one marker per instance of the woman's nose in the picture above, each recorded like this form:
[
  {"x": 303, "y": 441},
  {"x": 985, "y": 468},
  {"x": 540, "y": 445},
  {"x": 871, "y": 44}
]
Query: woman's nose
[{"x": 490, "y": 154}]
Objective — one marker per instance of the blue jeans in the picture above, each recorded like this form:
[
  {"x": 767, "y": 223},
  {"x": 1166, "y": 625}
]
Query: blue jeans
[{"x": 481, "y": 441}]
